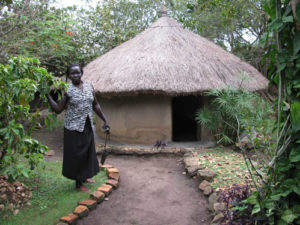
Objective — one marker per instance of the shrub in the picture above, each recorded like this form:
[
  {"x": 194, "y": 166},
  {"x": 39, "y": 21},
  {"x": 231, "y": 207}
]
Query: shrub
[
  {"x": 20, "y": 79},
  {"x": 238, "y": 211},
  {"x": 234, "y": 112}
]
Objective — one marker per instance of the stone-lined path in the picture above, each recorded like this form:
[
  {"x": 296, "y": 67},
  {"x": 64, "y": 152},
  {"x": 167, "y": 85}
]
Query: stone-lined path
[{"x": 152, "y": 191}]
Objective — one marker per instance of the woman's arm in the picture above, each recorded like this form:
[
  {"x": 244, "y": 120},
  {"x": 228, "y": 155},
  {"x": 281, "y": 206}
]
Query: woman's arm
[
  {"x": 98, "y": 110},
  {"x": 60, "y": 106}
]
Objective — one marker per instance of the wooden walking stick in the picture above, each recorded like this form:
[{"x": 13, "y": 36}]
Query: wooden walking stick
[{"x": 105, "y": 151}]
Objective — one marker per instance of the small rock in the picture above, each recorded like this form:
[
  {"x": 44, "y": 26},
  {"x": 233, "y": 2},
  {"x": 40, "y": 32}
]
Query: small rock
[
  {"x": 113, "y": 183},
  {"x": 203, "y": 184},
  {"x": 212, "y": 199},
  {"x": 70, "y": 219},
  {"x": 113, "y": 173},
  {"x": 98, "y": 196},
  {"x": 81, "y": 211},
  {"x": 105, "y": 188},
  {"x": 219, "y": 207},
  {"x": 218, "y": 218},
  {"x": 91, "y": 204},
  {"x": 192, "y": 170},
  {"x": 183, "y": 173},
  {"x": 207, "y": 190},
  {"x": 206, "y": 174},
  {"x": 106, "y": 199}
]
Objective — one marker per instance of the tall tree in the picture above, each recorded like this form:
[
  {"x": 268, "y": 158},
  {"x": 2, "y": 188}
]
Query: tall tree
[
  {"x": 111, "y": 23},
  {"x": 36, "y": 29}
]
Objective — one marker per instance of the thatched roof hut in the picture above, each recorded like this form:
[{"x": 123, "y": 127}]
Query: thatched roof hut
[
  {"x": 166, "y": 60},
  {"x": 169, "y": 59}
]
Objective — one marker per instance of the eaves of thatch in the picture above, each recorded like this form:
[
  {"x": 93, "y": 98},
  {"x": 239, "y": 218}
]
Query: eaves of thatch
[{"x": 168, "y": 59}]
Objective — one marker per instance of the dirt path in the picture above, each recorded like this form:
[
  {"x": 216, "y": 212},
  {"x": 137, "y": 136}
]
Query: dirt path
[{"x": 153, "y": 190}]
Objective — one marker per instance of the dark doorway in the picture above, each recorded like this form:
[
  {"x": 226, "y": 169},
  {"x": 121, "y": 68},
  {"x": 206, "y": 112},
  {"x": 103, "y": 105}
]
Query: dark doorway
[{"x": 183, "y": 118}]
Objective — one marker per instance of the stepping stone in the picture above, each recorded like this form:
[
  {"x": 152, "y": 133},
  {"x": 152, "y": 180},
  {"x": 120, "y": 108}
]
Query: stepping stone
[
  {"x": 97, "y": 196},
  {"x": 113, "y": 183},
  {"x": 91, "y": 204},
  {"x": 81, "y": 211},
  {"x": 106, "y": 189},
  {"x": 113, "y": 173},
  {"x": 70, "y": 219}
]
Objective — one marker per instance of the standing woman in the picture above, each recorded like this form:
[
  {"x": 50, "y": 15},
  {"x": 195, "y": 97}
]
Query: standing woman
[{"x": 79, "y": 159}]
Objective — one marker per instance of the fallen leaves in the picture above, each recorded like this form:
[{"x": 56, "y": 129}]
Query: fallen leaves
[{"x": 229, "y": 166}]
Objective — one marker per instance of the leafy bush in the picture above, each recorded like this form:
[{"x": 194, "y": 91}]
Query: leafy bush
[
  {"x": 20, "y": 79},
  {"x": 238, "y": 210},
  {"x": 233, "y": 112}
]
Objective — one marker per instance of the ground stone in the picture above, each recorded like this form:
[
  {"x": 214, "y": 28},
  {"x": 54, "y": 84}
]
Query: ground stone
[
  {"x": 218, "y": 218},
  {"x": 106, "y": 189},
  {"x": 70, "y": 219},
  {"x": 208, "y": 190},
  {"x": 206, "y": 174},
  {"x": 203, "y": 185},
  {"x": 98, "y": 196},
  {"x": 212, "y": 199},
  {"x": 114, "y": 176},
  {"x": 91, "y": 204},
  {"x": 113, "y": 183},
  {"x": 218, "y": 207},
  {"x": 191, "y": 161},
  {"x": 81, "y": 211},
  {"x": 192, "y": 170}
]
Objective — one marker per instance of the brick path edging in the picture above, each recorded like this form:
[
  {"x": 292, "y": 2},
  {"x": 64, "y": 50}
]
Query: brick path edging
[{"x": 84, "y": 207}]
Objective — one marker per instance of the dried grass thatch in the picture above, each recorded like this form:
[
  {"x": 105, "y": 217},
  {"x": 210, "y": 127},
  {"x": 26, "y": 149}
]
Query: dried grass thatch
[{"x": 168, "y": 59}]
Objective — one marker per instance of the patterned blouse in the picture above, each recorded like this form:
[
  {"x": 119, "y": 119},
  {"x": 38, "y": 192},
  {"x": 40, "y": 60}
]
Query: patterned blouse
[{"x": 79, "y": 106}]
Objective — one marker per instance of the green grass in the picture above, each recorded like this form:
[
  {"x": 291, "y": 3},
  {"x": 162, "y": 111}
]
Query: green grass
[
  {"x": 53, "y": 196},
  {"x": 229, "y": 166}
]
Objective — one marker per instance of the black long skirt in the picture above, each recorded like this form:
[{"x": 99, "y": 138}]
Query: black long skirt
[{"x": 80, "y": 160}]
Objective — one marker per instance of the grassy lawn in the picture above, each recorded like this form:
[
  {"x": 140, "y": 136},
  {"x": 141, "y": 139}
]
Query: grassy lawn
[
  {"x": 229, "y": 166},
  {"x": 53, "y": 196}
]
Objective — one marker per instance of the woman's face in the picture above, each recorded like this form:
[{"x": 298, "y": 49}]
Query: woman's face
[{"x": 75, "y": 74}]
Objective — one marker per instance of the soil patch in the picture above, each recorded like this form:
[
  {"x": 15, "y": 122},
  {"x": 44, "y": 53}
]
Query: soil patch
[{"x": 153, "y": 191}]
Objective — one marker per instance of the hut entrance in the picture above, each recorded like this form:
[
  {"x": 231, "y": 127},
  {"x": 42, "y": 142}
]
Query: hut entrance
[{"x": 183, "y": 118}]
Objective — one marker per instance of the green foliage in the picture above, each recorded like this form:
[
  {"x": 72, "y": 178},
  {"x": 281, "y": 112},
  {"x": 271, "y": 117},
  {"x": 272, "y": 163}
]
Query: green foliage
[
  {"x": 53, "y": 196},
  {"x": 233, "y": 112},
  {"x": 236, "y": 25},
  {"x": 281, "y": 197},
  {"x": 34, "y": 29},
  {"x": 111, "y": 23},
  {"x": 20, "y": 79}
]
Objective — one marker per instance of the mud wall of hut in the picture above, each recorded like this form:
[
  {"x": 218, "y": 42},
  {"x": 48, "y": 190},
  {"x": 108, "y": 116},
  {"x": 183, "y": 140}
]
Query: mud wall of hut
[{"x": 141, "y": 119}]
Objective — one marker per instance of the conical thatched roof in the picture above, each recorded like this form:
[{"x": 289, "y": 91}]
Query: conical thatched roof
[{"x": 168, "y": 59}]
